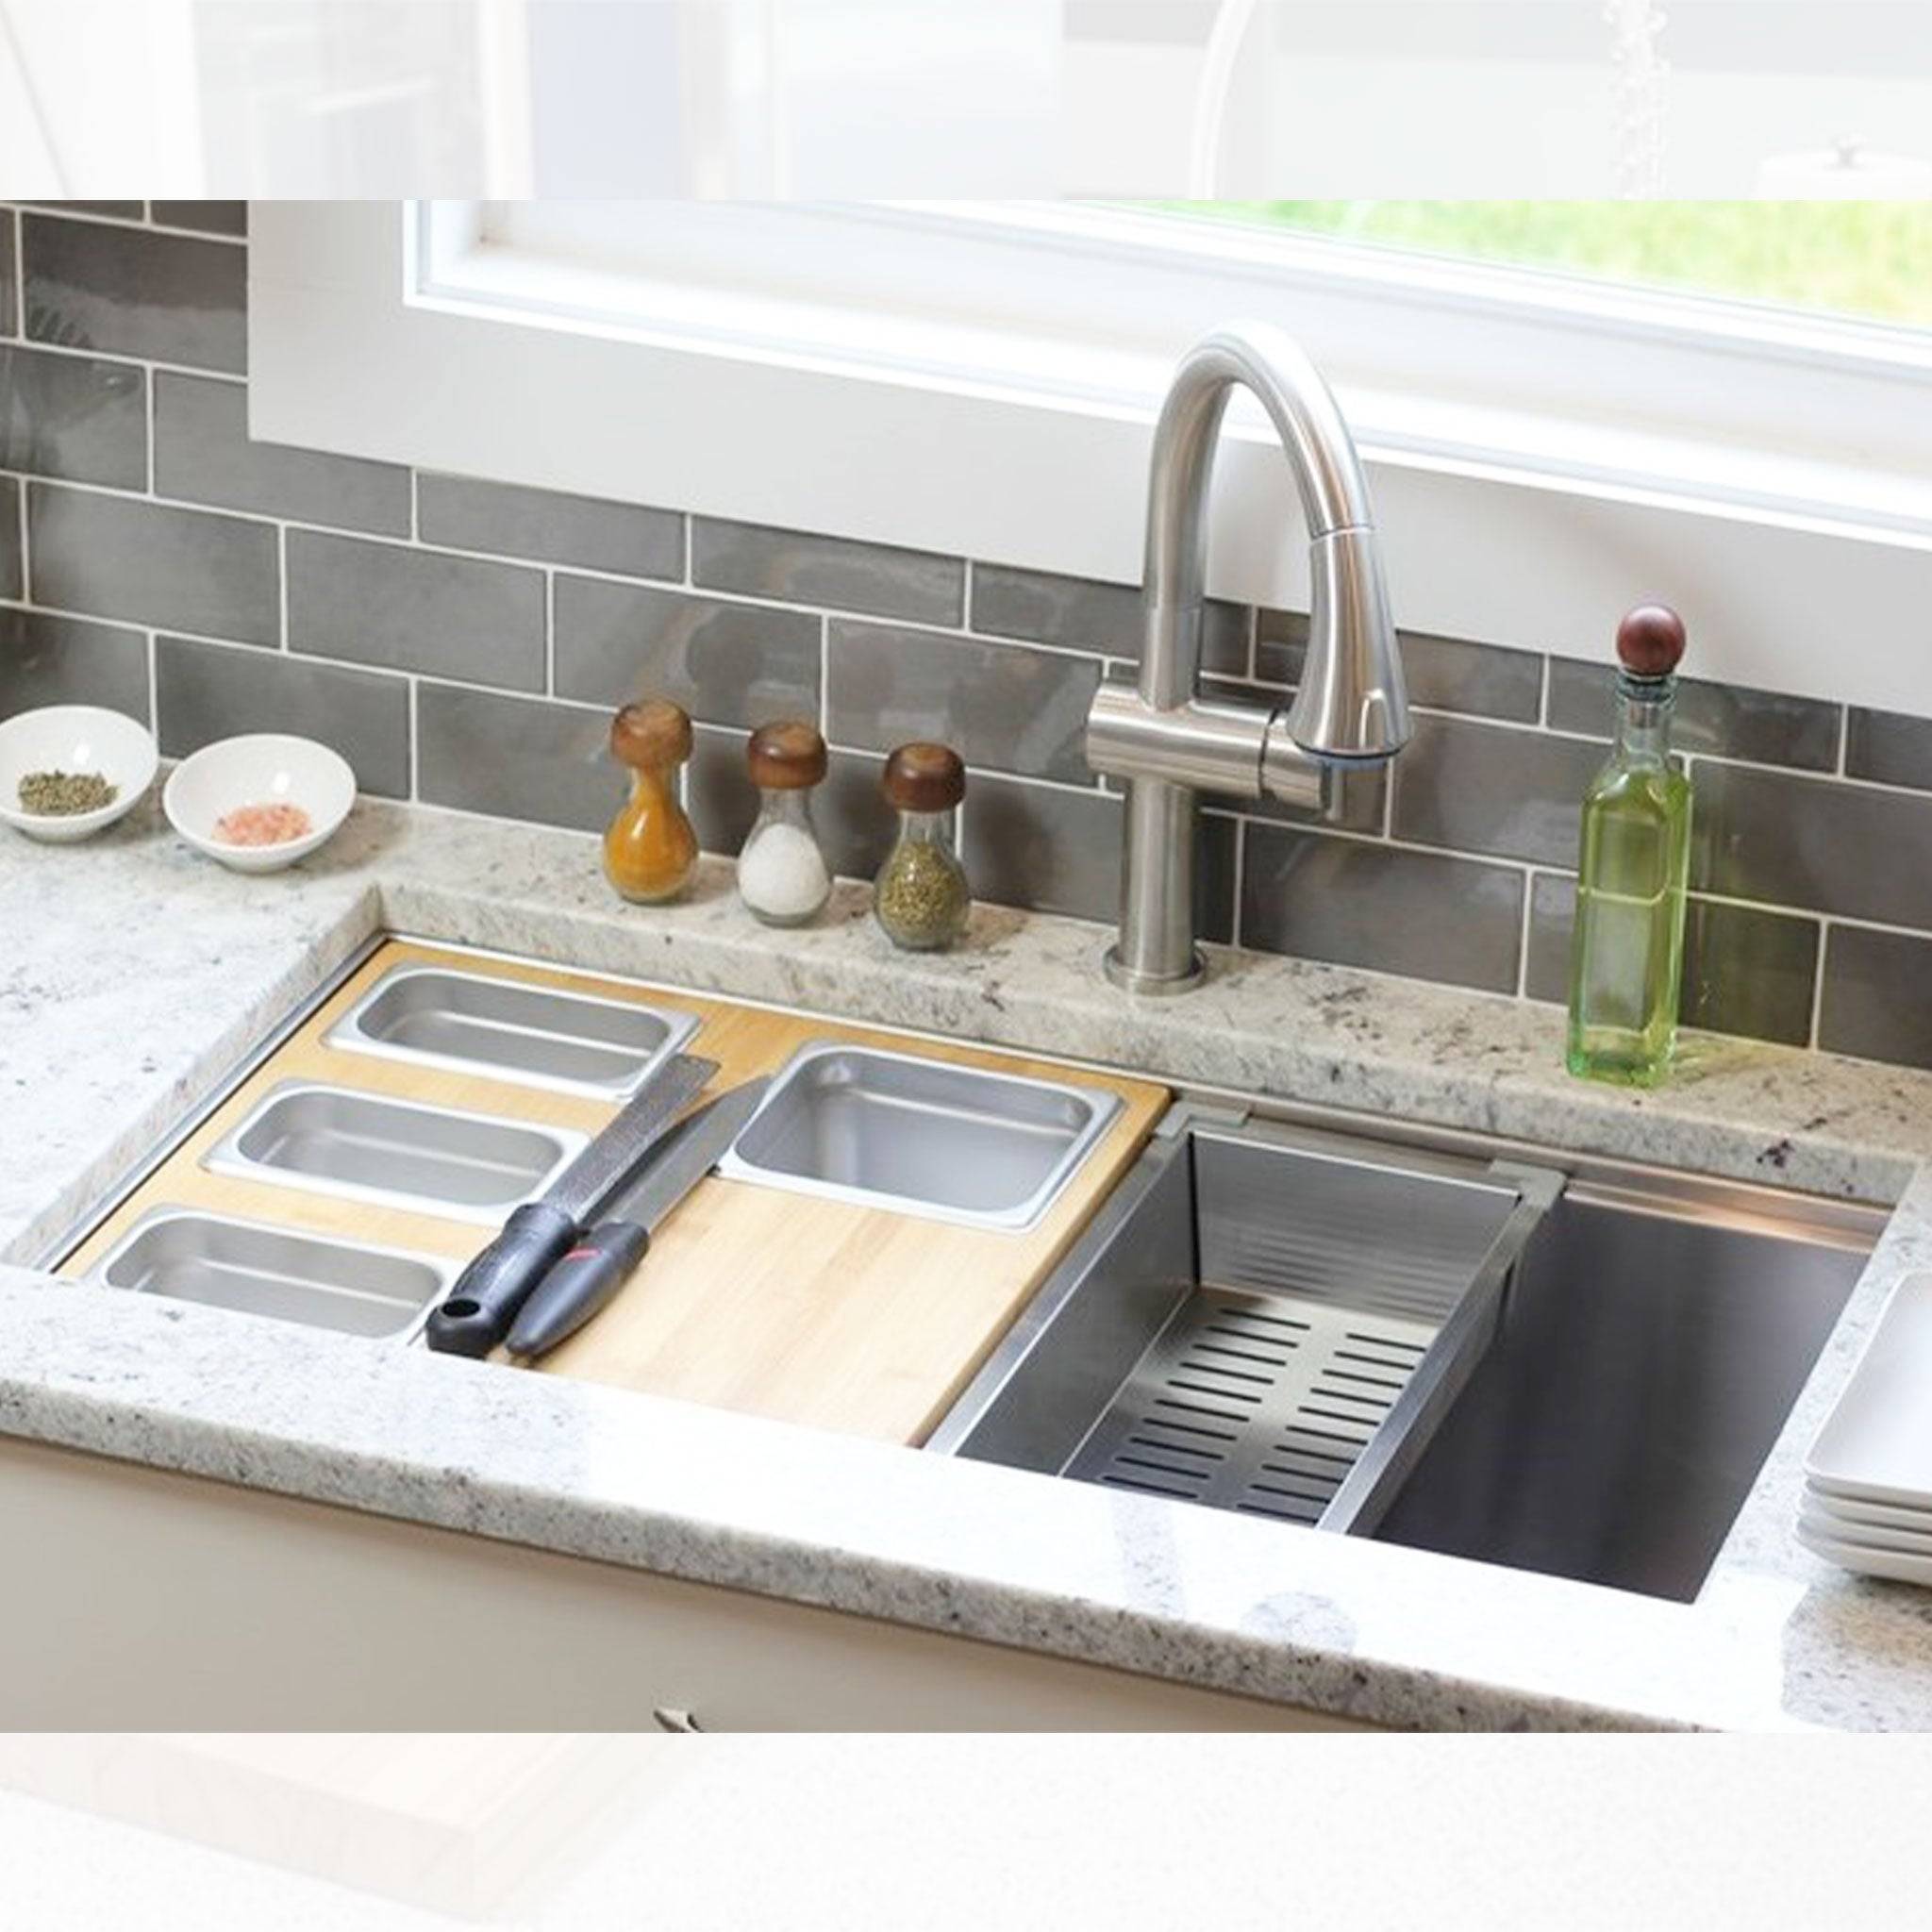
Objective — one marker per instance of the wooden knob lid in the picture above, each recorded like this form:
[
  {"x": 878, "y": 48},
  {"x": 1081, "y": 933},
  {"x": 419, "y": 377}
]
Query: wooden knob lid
[
  {"x": 926, "y": 777},
  {"x": 1650, "y": 640},
  {"x": 786, "y": 757},
  {"x": 655, "y": 732}
]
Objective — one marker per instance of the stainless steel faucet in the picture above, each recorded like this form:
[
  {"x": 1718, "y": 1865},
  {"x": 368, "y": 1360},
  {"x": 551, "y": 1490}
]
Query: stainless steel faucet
[{"x": 1167, "y": 740}]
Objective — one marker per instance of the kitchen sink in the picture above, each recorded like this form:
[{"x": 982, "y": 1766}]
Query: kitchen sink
[
  {"x": 228, "y": 1263},
  {"x": 921, "y": 1136},
  {"x": 1652, "y": 1351},
  {"x": 1494, "y": 1352},
  {"x": 537, "y": 1035},
  {"x": 366, "y": 1146}
]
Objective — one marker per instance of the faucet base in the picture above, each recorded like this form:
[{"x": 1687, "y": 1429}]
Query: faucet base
[{"x": 1155, "y": 984}]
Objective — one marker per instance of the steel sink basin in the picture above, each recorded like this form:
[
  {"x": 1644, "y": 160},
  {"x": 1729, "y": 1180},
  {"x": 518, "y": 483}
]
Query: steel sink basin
[
  {"x": 1650, "y": 1351},
  {"x": 1490, "y": 1351}
]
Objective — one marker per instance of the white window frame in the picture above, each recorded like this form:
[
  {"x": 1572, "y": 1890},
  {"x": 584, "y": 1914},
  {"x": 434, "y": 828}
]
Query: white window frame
[{"x": 981, "y": 379}]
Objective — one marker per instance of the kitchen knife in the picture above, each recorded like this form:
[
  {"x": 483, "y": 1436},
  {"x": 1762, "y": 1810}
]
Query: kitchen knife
[
  {"x": 479, "y": 1309},
  {"x": 583, "y": 1280}
]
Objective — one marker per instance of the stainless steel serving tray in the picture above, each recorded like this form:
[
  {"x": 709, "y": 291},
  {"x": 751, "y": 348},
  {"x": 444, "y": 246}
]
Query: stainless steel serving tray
[
  {"x": 222, "y": 1261},
  {"x": 399, "y": 1153},
  {"x": 921, "y": 1136},
  {"x": 538, "y": 1036}
]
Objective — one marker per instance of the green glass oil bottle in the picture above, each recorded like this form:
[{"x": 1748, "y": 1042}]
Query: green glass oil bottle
[{"x": 1627, "y": 950}]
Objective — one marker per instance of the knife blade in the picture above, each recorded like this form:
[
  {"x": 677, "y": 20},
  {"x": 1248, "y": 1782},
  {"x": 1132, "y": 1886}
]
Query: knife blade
[
  {"x": 478, "y": 1310},
  {"x": 583, "y": 1281}
]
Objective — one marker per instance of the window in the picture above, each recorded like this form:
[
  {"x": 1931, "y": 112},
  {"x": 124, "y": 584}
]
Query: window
[{"x": 980, "y": 378}]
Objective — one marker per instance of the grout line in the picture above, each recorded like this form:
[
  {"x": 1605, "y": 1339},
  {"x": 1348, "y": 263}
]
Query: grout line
[
  {"x": 26, "y": 575},
  {"x": 549, "y": 633},
  {"x": 148, "y": 409},
  {"x": 282, "y": 583},
  {"x": 825, "y": 720},
  {"x": 1236, "y": 924},
  {"x": 1542, "y": 694},
  {"x": 1522, "y": 937},
  {"x": 415, "y": 504},
  {"x": 1844, "y": 741},
  {"x": 414, "y": 755},
  {"x": 1818, "y": 983},
  {"x": 153, "y": 686},
  {"x": 690, "y": 546},
  {"x": 19, "y": 277}
]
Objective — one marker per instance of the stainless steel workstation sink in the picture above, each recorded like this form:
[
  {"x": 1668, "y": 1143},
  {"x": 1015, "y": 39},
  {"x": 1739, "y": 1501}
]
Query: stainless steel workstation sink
[{"x": 1500, "y": 1353}]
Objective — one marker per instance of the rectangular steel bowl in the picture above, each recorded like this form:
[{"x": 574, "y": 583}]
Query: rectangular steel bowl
[
  {"x": 921, "y": 1136},
  {"x": 380, "y": 1294},
  {"x": 369, "y": 1147},
  {"x": 538, "y": 1036}
]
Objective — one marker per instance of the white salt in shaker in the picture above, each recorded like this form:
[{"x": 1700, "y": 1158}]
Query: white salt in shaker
[{"x": 782, "y": 873}]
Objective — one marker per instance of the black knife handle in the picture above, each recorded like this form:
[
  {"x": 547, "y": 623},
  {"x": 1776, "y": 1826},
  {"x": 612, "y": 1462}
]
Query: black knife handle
[
  {"x": 478, "y": 1310},
  {"x": 578, "y": 1287}
]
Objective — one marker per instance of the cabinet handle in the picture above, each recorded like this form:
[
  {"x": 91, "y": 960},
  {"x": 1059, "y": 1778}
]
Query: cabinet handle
[{"x": 670, "y": 1719}]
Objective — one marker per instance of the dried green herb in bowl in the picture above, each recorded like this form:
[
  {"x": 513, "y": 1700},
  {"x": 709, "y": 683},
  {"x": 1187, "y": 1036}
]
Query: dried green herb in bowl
[{"x": 65, "y": 794}]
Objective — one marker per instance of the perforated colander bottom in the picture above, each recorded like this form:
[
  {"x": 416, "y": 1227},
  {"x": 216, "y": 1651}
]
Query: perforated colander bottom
[{"x": 1255, "y": 1403}]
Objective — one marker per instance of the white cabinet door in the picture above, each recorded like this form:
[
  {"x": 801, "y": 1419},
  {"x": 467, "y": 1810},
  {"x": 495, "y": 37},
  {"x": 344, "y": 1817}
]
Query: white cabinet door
[{"x": 139, "y": 1600}]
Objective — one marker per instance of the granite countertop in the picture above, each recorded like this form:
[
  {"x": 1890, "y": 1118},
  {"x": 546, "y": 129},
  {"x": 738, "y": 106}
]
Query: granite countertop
[{"x": 138, "y": 974}]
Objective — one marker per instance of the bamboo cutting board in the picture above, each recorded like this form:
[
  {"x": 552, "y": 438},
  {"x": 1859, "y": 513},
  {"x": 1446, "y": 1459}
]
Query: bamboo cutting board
[{"x": 751, "y": 1298}]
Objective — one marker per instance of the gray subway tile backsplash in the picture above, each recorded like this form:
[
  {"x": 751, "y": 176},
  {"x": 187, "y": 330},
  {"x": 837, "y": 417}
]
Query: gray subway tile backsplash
[
  {"x": 405, "y": 593},
  {"x": 409, "y": 609},
  {"x": 1726, "y": 721},
  {"x": 1888, "y": 747},
  {"x": 203, "y": 453},
  {"x": 515, "y": 757},
  {"x": 210, "y": 217},
  {"x": 549, "y": 527},
  {"x": 1083, "y": 614},
  {"x": 1492, "y": 788},
  {"x": 46, "y": 659},
  {"x": 1007, "y": 708},
  {"x": 1042, "y": 846},
  {"x": 150, "y": 563},
  {"x": 1747, "y": 971},
  {"x": 795, "y": 568},
  {"x": 1357, "y": 902},
  {"x": 1876, "y": 999},
  {"x": 205, "y": 692},
  {"x": 727, "y": 662},
  {"x": 1812, "y": 845},
  {"x": 131, "y": 291},
  {"x": 76, "y": 416},
  {"x": 13, "y": 562}
]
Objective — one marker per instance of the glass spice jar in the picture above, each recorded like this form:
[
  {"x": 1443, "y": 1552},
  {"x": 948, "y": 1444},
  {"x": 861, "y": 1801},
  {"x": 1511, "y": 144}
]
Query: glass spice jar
[
  {"x": 922, "y": 897},
  {"x": 782, "y": 873},
  {"x": 650, "y": 850}
]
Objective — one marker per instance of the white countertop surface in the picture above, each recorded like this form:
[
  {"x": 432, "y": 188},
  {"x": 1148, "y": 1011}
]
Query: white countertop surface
[{"x": 137, "y": 972}]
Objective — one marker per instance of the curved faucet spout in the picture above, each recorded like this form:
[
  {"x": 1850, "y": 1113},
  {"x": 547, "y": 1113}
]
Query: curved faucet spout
[
  {"x": 1351, "y": 703},
  {"x": 1168, "y": 742}
]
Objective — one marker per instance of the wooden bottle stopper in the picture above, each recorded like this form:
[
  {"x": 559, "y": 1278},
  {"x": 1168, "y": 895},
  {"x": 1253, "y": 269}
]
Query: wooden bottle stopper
[
  {"x": 786, "y": 757},
  {"x": 926, "y": 777},
  {"x": 1650, "y": 640},
  {"x": 654, "y": 733}
]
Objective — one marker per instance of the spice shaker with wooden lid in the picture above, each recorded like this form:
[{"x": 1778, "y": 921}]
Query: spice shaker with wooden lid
[
  {"x": 782, "y": 873},
  {"x": 922, "y": 897},
  {"x": 650, "y": 850}
]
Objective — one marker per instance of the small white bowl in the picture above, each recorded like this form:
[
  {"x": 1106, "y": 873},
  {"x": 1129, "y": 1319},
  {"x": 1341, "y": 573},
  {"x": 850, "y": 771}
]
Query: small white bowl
[
  {"x": 262, "y": 768},
  {"x": 73, "y": 738}
]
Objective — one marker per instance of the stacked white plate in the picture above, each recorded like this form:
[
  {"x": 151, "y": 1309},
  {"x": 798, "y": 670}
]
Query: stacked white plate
[{"x": 1867, "y": 1481}]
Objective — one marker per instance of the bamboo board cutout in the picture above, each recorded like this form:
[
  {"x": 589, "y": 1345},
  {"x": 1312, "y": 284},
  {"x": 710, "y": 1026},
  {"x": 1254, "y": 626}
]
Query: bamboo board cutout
[{"x": 753, "y": 1298}]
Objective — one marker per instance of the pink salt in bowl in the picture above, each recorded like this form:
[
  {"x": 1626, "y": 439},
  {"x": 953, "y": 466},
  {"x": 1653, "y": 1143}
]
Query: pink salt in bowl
[{"x": 264, "y": 768}]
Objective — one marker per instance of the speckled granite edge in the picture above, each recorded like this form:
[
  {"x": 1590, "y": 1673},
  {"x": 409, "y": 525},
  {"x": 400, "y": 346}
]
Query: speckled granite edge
[{"x": 146, "y": 968}]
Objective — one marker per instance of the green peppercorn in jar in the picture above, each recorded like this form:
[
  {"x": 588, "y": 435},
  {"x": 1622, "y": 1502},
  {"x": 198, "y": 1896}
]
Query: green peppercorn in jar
[{"x": 922, "y": 897}]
